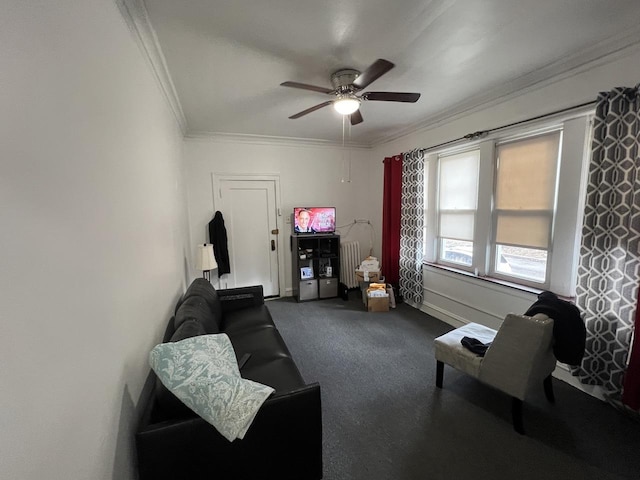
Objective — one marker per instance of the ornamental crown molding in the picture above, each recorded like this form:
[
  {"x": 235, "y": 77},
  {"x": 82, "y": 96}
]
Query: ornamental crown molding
[
  {"x": 251, "y": 139},
  {"x": 135, "y": 14},
  {"x": 605, "y": 52}
]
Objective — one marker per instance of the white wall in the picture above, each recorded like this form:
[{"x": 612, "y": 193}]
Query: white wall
[
  {"x": 309, "y": 175},
  {"x": 94, "y": 229}
]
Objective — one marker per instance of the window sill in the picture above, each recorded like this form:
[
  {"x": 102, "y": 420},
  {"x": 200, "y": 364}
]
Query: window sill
[{"x": 492, "y": 280}]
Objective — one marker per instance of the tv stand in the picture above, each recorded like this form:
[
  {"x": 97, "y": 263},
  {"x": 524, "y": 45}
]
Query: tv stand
[{"x": 315, "y": 261}]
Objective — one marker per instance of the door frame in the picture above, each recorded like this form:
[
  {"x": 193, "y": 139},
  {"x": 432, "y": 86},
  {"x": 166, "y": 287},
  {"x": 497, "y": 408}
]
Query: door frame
[{"x": 217, "y": 178}]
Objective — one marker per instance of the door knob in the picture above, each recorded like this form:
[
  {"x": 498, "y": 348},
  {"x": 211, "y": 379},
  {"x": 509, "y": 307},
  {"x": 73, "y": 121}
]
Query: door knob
[{"x": 273, "y": 245}]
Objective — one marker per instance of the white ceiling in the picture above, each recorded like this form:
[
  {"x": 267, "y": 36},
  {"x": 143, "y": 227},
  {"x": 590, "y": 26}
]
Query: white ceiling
[{"x": 226, "y": 59}]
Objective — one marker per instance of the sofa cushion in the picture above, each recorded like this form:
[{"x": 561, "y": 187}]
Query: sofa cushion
[
  {"x": 188, "y": 328},
  {"x": 264, "y": 344},
  {"x": 247, "y": 319},
  {"x": 202, "y": 371},
  {"x": 196, "y": 308},
  {"x": 201, "y": 287},
  {"x": 168, "y": 403},
  {"x": 279, "y": 372}
]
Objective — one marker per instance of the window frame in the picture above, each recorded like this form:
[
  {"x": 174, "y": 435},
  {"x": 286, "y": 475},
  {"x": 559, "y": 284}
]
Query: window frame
[
  {"x": 493, "y": 245},
  {"x": 571, "y": 179}
]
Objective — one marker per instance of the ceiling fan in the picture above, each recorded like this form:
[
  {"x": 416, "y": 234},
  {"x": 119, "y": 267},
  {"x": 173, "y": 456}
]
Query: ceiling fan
[{"x": 347, "y": 83}]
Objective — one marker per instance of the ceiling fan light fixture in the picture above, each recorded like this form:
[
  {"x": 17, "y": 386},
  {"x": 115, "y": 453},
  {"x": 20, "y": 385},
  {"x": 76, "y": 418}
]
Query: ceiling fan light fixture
[
  {"x": 347, "y": 83},
  {"x": 346, "y": 105}
]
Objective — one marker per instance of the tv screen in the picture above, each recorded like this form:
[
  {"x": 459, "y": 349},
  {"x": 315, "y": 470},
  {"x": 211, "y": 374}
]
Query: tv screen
[{"x": 314, "y": 219}]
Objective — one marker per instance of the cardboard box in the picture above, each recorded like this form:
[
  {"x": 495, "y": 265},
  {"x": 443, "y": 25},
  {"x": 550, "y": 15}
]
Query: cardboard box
[
  {"x": 377, "y": 304},
  {"x": 373, "y": 276},
  {"x": 370, "y": 263}
]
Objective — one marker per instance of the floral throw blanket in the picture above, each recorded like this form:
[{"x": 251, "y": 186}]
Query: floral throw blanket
[{"x": 203, "y": 373}]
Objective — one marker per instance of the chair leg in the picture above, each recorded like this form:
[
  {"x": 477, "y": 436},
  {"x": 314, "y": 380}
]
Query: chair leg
[
  {"x": 516, "y": 413},
  {"x": 439, "y": 373},
  {"x": 548, "y": 389}
]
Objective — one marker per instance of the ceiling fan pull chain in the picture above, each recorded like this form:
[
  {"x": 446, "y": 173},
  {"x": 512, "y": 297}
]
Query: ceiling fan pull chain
[
  {"x": 345, "y": 165},
  {"x": 349, "y": 164}
]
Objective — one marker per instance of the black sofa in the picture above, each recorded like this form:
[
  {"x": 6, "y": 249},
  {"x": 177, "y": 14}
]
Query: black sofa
[{"x": 285, "y": 438}]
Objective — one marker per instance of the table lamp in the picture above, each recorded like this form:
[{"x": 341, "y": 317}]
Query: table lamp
[{"x": 205, "y": 260}]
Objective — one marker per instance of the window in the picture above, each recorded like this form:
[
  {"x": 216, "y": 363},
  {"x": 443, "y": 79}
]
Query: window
[
  {"x": 524, "y": 203},
  {"x": 496, "y": 205},
  {"x": 509, "y": 207},
  {"x": 457, "y": 205}
]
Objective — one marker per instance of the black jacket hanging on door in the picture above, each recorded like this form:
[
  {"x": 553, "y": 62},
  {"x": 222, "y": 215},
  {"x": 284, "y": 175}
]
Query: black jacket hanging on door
[{"x": 218, "y": 236}]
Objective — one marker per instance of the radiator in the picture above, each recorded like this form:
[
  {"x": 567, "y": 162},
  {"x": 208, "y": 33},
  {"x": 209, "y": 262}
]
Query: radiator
[{"x": 349, "y": 261}]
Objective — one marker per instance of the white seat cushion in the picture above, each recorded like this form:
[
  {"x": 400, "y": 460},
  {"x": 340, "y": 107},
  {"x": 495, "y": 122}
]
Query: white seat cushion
[{"x": 449, "y": 349}]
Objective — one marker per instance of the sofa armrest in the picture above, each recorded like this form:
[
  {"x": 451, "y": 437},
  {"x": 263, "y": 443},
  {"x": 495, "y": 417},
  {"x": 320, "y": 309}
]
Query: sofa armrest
[
  {"x": 238, "y": 298},
  {"x": 284, "y": 442}
]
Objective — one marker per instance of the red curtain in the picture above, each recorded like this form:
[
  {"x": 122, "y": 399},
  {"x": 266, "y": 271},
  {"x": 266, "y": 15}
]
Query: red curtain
[
  {"x": 631, "y": 388},
  {"x": 392, "y": 198}
]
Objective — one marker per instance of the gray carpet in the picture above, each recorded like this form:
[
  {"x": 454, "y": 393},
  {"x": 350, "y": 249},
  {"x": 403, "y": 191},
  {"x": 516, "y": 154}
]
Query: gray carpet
[{"x": 384, "y": 419}]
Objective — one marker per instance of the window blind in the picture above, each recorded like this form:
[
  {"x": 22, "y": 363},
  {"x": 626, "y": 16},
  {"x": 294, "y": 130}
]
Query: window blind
[
  {"x": 525, "y": 190},
  {"x": 458, "y": 195}
]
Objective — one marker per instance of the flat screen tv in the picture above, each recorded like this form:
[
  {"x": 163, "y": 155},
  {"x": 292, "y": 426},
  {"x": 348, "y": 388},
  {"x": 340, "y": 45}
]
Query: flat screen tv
[{"x": 310, "y": 220}]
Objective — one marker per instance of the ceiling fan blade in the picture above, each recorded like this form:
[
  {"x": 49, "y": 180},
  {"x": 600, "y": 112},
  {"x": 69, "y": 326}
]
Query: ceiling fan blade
[
  {"x": 392, "y": 97},
  {"x": 305, "y": 86},
  {"x": 312, "y": 109},
  {"x": 371, "y": 74},
  {"x": 356, "y": 117}
]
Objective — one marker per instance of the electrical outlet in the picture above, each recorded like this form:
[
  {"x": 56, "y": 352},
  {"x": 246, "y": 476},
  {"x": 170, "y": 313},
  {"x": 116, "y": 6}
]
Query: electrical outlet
[{"x": 287, "y": 220}]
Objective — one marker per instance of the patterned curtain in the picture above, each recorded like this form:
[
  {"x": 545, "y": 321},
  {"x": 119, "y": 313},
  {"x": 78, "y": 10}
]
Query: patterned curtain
[
  {"x": 608, "y": 272},
  {"x": 412, "y": 226}
]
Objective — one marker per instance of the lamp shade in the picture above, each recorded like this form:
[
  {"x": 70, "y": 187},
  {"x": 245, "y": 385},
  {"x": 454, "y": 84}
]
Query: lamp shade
[
  {"x": 346, "y": 105},
  {"x": 204, "y": 257}
]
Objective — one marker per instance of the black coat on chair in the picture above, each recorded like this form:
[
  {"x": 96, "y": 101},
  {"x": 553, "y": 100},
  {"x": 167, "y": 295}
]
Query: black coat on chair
[{"x": 569, "y": 332}]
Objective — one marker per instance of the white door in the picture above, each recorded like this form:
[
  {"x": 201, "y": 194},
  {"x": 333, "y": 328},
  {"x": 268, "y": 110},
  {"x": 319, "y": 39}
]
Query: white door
[{"x": 250, "y": 215}]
